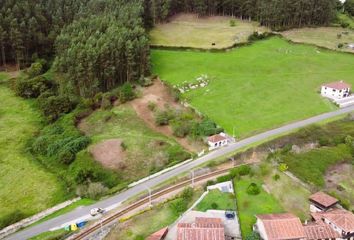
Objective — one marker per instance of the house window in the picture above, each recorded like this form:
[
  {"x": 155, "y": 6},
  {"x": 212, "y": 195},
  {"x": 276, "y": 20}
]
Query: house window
[{"x": 215, "y": 144}]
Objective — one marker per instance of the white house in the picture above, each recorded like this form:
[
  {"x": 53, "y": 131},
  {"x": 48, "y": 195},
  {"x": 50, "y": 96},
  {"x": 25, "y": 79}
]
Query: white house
[
  {"x": 281, "y": 226},
  {"x": 217, "y": 140},
  {"x": 335, "y": 90}
]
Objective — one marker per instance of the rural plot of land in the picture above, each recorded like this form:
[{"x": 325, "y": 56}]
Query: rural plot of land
[
  {"x": 328, "y": 37},
  {"x": 187, "y": 30},
  {"x": 124, "y": 143},
  {"x": 25, "y": 187},
  {"x": 257, "y": 87}
]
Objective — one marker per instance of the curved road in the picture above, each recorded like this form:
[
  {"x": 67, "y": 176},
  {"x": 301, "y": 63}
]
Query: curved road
[{"x": 120, "y": 197}]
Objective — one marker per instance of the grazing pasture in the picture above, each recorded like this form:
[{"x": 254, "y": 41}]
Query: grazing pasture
[
  {"x": 189, "y": 30},
  {"x": 26, "y": 188},
  {"x": 257, "y": 87},
  {"x": 328, "y": 37}
]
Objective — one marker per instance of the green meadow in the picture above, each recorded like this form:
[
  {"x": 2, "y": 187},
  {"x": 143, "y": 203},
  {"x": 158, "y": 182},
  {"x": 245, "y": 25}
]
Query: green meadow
[
  {"x": 25, "y": 187},
  {"x": 256, "y": 87}
]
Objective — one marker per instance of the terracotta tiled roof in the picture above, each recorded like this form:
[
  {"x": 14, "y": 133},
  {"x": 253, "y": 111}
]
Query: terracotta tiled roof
[
  {"x": 216, "y": 138},
  {"x": 202, "y": 229},
  {"x": 319, "y": 231},
  {"x": 282, "y": 226},
  {"x": 340, "y": 217},
  {"x": 323, "y": 199},
  {"x": 337, "y": 85},
  {"x": 159, "y": 235}
]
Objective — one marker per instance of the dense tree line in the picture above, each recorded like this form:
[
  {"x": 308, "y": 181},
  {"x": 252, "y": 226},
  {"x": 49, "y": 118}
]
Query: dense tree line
[
  {"x": 349, "y": 7},
  {"x": 278, "y": 14},
  {"x": 28, "y": 28},
  {"x": 105, "y": 49}
]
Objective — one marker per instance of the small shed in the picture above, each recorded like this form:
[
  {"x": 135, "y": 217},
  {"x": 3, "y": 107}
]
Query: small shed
[
  {"x": 217, "y": 140},
  {"x": 321, "y": 202}
]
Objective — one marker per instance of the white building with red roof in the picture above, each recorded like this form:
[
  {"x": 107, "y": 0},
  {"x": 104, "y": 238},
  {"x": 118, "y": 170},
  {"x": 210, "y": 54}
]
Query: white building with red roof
[
  {"x": 281, "y": 226},
  {"x": 336, "y": 90},
  {"x": 217, "y": 140}
]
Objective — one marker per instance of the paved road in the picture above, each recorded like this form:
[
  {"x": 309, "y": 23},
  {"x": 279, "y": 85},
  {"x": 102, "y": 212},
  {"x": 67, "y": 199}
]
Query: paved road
[{"x": 120, "y": 197}]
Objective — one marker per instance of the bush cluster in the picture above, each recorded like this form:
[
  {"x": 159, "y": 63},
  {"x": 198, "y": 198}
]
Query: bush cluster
[
  {"x": 33, "y": 87},
  {"x": 258, "y": 36},
  {"x": 180, "y": 205},
  {"x": 253, "y": 189},
  {"x": 60, "y": 141}
]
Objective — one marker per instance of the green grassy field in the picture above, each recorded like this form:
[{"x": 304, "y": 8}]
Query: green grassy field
[
  {"x": 223, "y": 201},
  {"x": 26, "y": 187},
  {"x": 146, "y": 150},
  {"x": 258, "y": 87},
  {"x": 322, "y": 36},
  {"x": 250, "y": 205},
  {"x": 311, "y": 166},
  {"x": 187, "y": 30}
]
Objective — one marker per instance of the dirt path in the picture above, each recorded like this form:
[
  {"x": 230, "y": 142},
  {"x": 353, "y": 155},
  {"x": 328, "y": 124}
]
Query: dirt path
[{"x": 159, "y": 94}]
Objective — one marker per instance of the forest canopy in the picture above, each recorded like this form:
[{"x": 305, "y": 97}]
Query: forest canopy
[
  {"x": 106, "y": 49},
  {"x": 99, "y": 44}
]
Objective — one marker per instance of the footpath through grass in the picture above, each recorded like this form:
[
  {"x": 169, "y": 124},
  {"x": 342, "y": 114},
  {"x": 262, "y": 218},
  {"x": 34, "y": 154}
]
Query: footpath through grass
[
  {"x": 257, "y": 87},
  {"x": 25, "y": 187}
]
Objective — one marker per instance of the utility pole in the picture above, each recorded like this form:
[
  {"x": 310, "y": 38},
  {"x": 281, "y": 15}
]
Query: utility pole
[
  {"x": 232, "y": 160},
  {"x": 192, "y": 171},
  {"x": 150, "y": 199}
]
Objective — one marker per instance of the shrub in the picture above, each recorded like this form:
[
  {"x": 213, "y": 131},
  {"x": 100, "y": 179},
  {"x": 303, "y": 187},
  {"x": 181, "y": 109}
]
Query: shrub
[
  {"x": 54, "y": 106},
  {"x": 124, "y": 146},
  {"x": 152, "y": 106},
  {"x": 92, "y": 190},
  {"x": 177, "y": 154},
  {"x": 214, "y": 205},
  {"x": 32, "y": 88},
  {"x": 253, "y": 189},
  {"x": 283, "y": 167},
  {"x": 181, "y": 128},
  {"x": 164, "y": 117},
  {"x": 187, "y": 194},
  {"x": 276, "y": 177},
  {"x": 206, "y": 128},
  {"x": 224, "y": 178},
  {"x": 253, "y": 236},
  {"x": 35, "y": 70},
  {"x": 66, "y": 157},
  {"x": 179, "y": 206},
  {"x": 126, "y": 93},
  {"x": 257, "y": 36},
  {"x": 232, "y": 23}
]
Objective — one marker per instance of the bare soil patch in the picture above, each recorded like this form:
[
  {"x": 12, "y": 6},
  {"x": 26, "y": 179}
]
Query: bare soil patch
[
  {"x": 339, "y": 178},
  {"x": 109, "y": 153},
  {"x": 160, "y": 95}
]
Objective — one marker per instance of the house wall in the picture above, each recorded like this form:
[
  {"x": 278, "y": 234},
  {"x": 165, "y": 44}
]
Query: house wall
[
  {"x": 336, "y": 228},
  {"x": 261, "y": 229},
  {"x": 213, "y": 145},
  {"x": 334, "y": 93}
]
